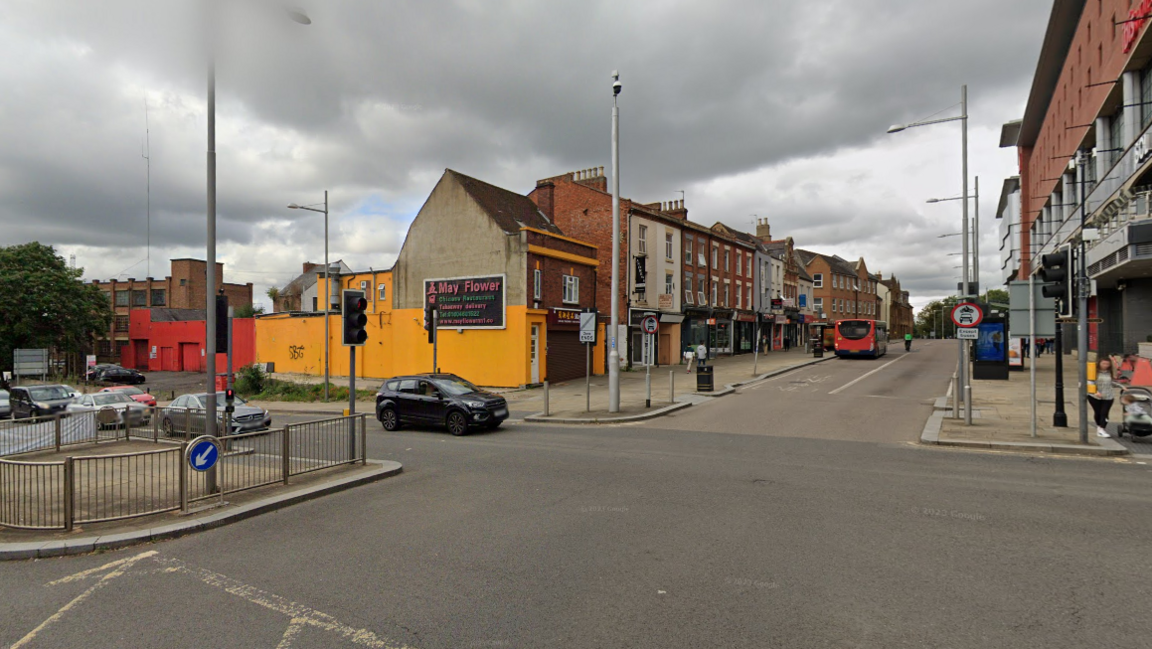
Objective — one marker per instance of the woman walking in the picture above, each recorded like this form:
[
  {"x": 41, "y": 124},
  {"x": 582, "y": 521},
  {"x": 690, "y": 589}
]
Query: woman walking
[{"x": 1104, "y": 396}]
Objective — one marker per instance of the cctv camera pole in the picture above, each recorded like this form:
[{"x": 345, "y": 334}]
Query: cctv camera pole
[
  {"x": 614, "y": 320},
  {"x": 1083, "y": 286}
]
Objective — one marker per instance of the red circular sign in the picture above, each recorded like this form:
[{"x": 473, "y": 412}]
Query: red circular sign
[
  {"x": 967, "y": 314},
  {"x": 649, "y": 324}
]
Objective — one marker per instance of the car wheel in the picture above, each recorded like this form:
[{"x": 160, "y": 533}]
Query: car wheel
[
  {"x": 169, "y": 429},
  {"x": 457, "y": 424},
  {"x": 388, "y": 418}
]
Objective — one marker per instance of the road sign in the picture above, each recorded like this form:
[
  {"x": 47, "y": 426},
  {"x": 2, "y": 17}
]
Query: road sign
[
  {"x": 203, "y": 453},
  {"x": 968, "y": 333},
  {"x": 588, "y": 326},
  {"x": 650, "y": 324},
  {"x": 967, "y": 314}
]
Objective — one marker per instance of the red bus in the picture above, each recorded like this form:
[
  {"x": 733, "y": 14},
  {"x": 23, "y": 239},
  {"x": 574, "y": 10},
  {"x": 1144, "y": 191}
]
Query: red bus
[{"x": 868, "y": 338}]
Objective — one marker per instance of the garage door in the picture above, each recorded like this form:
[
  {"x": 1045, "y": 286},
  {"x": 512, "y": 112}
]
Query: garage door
[
  {"x": 190, "y": 357},
  {"x": 565, "y": 356}
]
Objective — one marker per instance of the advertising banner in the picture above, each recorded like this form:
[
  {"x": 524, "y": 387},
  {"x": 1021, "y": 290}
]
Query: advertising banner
[
  {"x": 467, "y": 302},
  {"x": 992, "y": 342},
  {"x": 1015, "y": 353}
]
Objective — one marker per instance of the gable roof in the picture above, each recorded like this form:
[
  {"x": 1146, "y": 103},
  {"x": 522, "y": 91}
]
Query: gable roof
[
  {"x": 509, "y": 210},
  {"x": 800, "y": 266},
  {"x": 741, "y": 237},
  {"x": 834, "y": 262}
]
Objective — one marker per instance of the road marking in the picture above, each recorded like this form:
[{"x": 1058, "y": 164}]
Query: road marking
[
  {"x": 861, "y": 378},
  {"x": 293, "y": 630},
  {"x": 120, "y": 568}
]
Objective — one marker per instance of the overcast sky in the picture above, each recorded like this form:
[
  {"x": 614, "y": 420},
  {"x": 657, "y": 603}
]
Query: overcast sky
[{"x": 752, "y": 107}]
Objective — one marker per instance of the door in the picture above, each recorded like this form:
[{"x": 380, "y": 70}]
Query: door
[
  {"x": 168, "y": 359},
  {"x": 664, "y": 349},
  {"x": 565, "y": 359},
  {"x": 430, "y": 407},
  {"x": 141, "y": 354},
  {"x": 408, "y": 401},
  {"x": 535, "y": 353},
  {"x": 190, "y": 357}
]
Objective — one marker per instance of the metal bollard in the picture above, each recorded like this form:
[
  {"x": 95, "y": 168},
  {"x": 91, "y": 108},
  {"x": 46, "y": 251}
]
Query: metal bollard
[
  {"x": 968, "y": 405},
  {"x": 546, "y": 412},
  {"x": 648, "y": 389},
  {"x": 955, "y": 397},
  {"x": 57, "y": 433},
  {"x": 672, "y": 386}
]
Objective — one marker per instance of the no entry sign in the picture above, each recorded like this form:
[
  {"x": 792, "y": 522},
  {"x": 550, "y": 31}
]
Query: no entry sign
[{"x": 967, "y": 314}]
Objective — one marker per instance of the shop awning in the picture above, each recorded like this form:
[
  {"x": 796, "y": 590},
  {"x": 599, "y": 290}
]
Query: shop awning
[{"x": 671, "y": 318}]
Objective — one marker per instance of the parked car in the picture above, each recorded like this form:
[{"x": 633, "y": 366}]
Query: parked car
[
  {"x": 94, "y": 373},
  {"x": 38, "y": 400},
  {"x": 128, "y": 411},
  {"x": 72, "y": 392},
  {"x": 440, "y": 400},
  {"x": 185, "y": 415},
  {"x": 120, "y": 375},
  {"x": 136, "y": 393},
  {"x": 5, "y": 408}
]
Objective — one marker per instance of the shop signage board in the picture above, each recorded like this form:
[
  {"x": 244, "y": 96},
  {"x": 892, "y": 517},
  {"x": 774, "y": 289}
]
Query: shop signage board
[
  {"x": 564, "y": 318},
  {"x": 467, "y": 302}
]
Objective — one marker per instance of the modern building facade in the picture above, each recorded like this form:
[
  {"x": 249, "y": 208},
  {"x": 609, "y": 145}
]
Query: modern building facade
[{"x": 1085, "y": 152}]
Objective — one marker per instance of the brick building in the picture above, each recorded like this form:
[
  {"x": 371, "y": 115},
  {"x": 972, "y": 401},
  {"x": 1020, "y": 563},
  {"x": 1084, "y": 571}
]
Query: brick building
[
  {"x": 897, "y": 310},
  {"x": 184, "y": 288}
]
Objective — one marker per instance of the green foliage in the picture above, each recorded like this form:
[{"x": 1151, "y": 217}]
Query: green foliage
[
  {"x": 250, "y": 380},
  {"x": 247, "y": 311},
  {"x": 252, "y": 383},
  {"x": 273, "y": 293},
  {"x": 44, "y": 304},
  {"x": 996, "y": 296}
]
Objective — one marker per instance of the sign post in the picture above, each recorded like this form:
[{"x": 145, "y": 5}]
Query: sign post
[
  {"x": 588, "y": 337},
  {"x": 967, "y": 317},
  {"x": 649, "y": 325}
]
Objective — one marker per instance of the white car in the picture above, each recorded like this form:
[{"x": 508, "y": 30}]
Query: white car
[{"x": 130, "y": 411}]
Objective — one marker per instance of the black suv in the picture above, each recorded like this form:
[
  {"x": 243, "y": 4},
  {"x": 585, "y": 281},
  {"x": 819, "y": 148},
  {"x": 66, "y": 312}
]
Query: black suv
[
  {"x": 123, "y": 375},
  {"x": 39, "y": 401},
  {"x": 438, "y": 399}
]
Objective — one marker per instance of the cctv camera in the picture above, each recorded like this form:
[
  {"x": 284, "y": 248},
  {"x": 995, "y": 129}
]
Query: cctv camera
[{"x": 616, "y": 87}]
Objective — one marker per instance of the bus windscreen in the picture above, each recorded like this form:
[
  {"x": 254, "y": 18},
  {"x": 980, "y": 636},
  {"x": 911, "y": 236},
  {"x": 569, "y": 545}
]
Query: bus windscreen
[{"x": 855, "y": 329}]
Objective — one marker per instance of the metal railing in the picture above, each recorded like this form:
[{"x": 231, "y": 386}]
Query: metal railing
[{"x": 98, "y": 488}]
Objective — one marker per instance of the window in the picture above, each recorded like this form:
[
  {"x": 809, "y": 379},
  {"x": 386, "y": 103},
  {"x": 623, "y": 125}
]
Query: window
[
  {"x": 139, "y": 298},
  {"x": 536, "y": 288},
  {"x": 715, "y": 288},
  {"x": 750, "y": 305},
  {"x": 571, "y": 289},
  {"x": 183, "y": 282},
  {"x": 642, "y": 240},
  {"x": 739, "y": 295},
  {"x": 688, "y": 251},
  {"x": 715, "y": 256},
  {"x": 749, "y": 265},
  {"x": 122, "y": 298},
  {"x": 818, "y": 306},
  {"x": 727, "y": 289},
  {"x": 668, "y": 245},
  {"x": 700, "y": 290},
  {"x": 669, "y": 284},
  {"x": 108, "y": 296},
  {"x": 121, "y": 323},
  {"x": 727, "y": 260},
  {"x": 687, "y": 288},
  {"x": 158, "y": 297},
  {"x": 382, "y": 289}
]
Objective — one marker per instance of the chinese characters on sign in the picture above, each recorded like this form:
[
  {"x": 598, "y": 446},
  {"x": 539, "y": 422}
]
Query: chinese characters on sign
[{"x": 467, "y": 302}]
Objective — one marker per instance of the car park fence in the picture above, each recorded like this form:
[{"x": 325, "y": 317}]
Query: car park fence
[{"x": 56, "y": 495}]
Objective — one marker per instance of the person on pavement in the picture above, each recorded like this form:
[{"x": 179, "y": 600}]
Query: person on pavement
[
  {"x": 689, "y": 356},
  {"x": 1105, "y": 394},
  {"x": 908, "y": 342}
]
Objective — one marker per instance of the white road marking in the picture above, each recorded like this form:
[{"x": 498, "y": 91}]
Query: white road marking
[
  {"x": 293, "y": 630},
  {"x": 861, "y": 378},
  {"x": 120, "y": 568}
]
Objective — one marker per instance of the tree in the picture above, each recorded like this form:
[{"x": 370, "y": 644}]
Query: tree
[
  {"x": 273, "y": 293},
  {"x": 247, "y": 311},
  {"x": 45, "y": 305}
]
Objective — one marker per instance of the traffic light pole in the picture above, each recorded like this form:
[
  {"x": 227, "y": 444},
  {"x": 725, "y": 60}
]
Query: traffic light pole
[
  {"x": 351, "y": 401},
  {"x": 1082, "y": 288},
  {"x": 1060, "y": 418}
]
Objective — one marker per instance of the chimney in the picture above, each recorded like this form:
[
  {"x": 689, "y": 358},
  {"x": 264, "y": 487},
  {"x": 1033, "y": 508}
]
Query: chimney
[
  {"x": 592, "y": 177},
  {"x": 677, "y": 210},
  {"x": 309, "y": 266},
  {"x": 763, "y": 230},
  {"x": 544, "y": 197}
]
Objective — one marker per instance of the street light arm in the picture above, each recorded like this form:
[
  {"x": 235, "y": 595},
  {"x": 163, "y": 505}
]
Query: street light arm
[
  {"x": 896, "y": 128},
  {"x": 294, "y": 206}
]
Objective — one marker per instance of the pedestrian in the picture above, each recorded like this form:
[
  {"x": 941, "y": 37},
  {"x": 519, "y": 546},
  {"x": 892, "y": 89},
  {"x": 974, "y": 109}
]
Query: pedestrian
[
  {"x": 1024, "y": 346},
  {"x": 1039, "y": 347},
  {"x": 1105, "y": 393},
  {"x": 689, "y": 355},
  {"x": 1048, "y": 344},
  {"x": 701, "y": 356},
  {"x": 787, "y": 343}
]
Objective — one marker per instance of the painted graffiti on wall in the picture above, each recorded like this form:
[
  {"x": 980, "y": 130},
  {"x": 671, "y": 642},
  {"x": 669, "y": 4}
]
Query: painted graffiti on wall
[{"x": 296, "y": 352}]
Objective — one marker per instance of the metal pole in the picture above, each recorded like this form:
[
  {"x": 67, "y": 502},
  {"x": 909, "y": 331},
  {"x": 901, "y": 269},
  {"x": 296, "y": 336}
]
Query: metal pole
[
  {"x": 210, "y": 271},
  {"x": 228, "y": 415},
  {"x": 327, "y": 298},
  {"x": 756, "y": 347},
  {"x": 648, "y": 373},
  {"x": 1060, "y": 418},
  {"x": 547, "y": 412},
  {"x": 588, "y": 378},
  {"x": 1031, "y": 347},
  {"x": 435, "y": 339},
  {"x": 976, "y": 237},
  {"x": 1082, "y": 288},
  {"x": 351, "y": 402},
  {"x": 964, "y": 254},
  {"x": 672, "y": 386},
  {"x": 614, "y": 320}
]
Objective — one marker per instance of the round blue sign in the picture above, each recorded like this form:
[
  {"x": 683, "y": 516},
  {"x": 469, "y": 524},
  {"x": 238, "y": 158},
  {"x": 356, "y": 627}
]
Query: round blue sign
[{"x": 202, "y": 455}]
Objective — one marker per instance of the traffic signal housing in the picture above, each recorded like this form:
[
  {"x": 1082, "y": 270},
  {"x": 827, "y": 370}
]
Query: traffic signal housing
[
  {"x": 430, "y": 322},
  {"x": 221, "y": 323},
  {"x": 1056, "y": 273},
  {"x": 353, "y": 303}
]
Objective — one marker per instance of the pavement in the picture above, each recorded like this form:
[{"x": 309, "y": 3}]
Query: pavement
[
  {"x": 1001, "y": 416},
  {"x": 799, "y": 511}
]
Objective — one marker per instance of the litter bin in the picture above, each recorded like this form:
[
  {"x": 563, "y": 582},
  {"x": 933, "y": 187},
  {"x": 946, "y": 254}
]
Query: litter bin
[
  {"x": 222, "y": 382},
  {"x": 704, "y": 378},
  {"x": 818, "y": 347}
]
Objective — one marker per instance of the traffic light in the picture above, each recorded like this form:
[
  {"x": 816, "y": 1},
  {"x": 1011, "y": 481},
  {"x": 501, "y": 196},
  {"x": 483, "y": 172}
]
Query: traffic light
[
  {"x": 353, "y": 304},
  {"x": 221, "y": 323},
  {"x": 430, "y": 322},
  {"x": 1056, "y": 273},
  {"x": 229, "y": 400}
]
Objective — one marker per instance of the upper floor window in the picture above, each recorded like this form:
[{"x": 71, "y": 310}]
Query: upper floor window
[
  {"x": 382, "y": 289},
  {"x": 571, "y": 289},
  {"x": 669, "y": 284},
  {"x": 642, "y": 240},
  {"x": 727, "y": 261},
  {"x": 688, "y": 251},
  {"x": 687, "y": 288},
  {"x": 159, "y": 297},
  {"x": 122, "y": 298},
  {"x": 668, "y": 245},
  {"x": 537, "y": 278}
]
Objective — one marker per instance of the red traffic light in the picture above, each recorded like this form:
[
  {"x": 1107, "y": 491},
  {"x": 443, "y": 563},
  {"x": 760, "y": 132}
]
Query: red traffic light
[
  {"x": 229, "y": 394},
  {"x": 358, "y": 304}
]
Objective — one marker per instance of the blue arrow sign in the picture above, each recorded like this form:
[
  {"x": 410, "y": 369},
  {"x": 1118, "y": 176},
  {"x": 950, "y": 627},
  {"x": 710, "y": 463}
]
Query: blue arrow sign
[{"x": 203, "y": 455}]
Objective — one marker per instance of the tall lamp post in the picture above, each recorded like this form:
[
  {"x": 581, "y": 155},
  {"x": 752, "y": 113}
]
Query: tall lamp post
[
  {"x": 210, "y": 272},
  {"x": 614, "y": 320},
  {"x": 962, "y": 350},
  {"x": 975, "y": 234},
  {"x": 327, "y": 285}
]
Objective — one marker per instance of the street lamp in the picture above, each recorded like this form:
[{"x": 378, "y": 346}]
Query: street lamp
[
  {"x": 962, "y": 349},
  {"x": 210, "y": 271},
  {"x": 975, "y": 230},
  {"x": 614, "y": 320},
  {"x": 327, "y": 284}
]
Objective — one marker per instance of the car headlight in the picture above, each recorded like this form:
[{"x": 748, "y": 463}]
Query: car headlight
[
  {"x": 475, "y": 405},
  {"x": 41, "y": 405}
]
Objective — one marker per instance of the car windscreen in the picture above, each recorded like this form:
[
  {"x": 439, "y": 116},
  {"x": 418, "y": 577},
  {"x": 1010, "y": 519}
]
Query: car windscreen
[
  {"x": 456, "y": 387},
  {"x": 855, "y": 329},
  {"x": 110, "y": 399},
  {"x": 48, "y": 393},
  {"x": 130, "y": 391}
]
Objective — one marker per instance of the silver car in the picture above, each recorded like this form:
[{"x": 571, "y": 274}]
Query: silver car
[
  {"x": 129, "y": 411},
  {"x": 5, "y": 406}
]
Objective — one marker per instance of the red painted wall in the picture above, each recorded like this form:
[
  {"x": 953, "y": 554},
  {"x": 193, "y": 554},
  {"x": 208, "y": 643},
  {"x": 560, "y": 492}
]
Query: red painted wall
[{"x": 146, "y": 334}]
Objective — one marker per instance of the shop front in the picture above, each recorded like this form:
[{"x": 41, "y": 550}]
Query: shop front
[
  {"x": 668, "y": 346},
  {"x": 744, "y": 333},
  {"x": 714, "y": 329}
]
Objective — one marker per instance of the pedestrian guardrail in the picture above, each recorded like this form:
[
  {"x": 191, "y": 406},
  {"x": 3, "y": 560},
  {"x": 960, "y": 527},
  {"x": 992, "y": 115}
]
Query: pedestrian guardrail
[{"x": 99, "y": 488}]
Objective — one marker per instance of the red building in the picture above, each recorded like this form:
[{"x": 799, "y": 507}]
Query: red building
[{"x": 172, "y": 340}]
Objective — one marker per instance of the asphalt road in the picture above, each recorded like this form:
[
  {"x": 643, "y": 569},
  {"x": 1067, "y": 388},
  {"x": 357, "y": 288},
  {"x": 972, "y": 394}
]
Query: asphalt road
[{"x": 795, "y": 514}]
